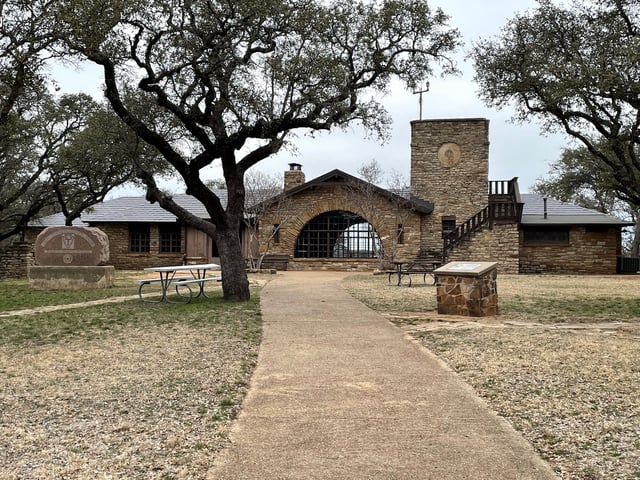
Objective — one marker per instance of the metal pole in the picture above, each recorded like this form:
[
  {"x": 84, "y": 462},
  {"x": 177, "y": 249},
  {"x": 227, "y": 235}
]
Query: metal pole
[{"x": 420, "y": 92}]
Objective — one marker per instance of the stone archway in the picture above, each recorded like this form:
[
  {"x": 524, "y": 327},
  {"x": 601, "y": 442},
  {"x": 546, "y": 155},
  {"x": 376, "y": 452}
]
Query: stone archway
[
  {"x": 309, "y": 203},
  {"x": 338, "y": 234}
]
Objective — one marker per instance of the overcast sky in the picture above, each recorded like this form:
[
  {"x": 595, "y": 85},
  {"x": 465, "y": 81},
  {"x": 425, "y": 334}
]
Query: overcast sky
[{"x": 516, "y": 150}]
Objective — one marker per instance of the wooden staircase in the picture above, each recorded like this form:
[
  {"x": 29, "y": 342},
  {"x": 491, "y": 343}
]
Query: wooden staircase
[{"x": 505, "y": 206}]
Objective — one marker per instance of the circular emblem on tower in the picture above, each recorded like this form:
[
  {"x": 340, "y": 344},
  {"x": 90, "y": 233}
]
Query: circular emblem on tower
[{"x": 449, "y": 154}]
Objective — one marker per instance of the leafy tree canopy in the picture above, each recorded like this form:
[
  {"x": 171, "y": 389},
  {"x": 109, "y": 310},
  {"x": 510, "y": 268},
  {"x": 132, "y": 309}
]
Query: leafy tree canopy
[
  {"x": 581, "y": 178},
  {"x": 240, "y": 77},
  {"x": 575, "y": 68},
  {"x": 57, "y": 152}
]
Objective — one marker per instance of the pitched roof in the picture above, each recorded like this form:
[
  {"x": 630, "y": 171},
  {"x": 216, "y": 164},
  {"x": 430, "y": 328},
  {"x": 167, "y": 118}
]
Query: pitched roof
[
  {"x": 133, "y": 210},
  {"x": 54, "y": 220},
  {"x": 561, "y": 213},
  {"x": 338, "y": 177},
  {"x": 138, "y": 209}
]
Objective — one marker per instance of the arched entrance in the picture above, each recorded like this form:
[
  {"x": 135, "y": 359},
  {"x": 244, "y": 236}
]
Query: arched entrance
[{"x": 338, "y": 234}]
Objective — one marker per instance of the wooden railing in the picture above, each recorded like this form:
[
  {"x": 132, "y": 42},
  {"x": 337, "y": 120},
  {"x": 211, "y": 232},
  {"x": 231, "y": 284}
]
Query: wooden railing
[
  {"x": 507, "y": 212},
  {"x": 505, "y": 189}
]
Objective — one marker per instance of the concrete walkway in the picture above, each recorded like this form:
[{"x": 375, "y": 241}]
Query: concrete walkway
[{"x": 339, "y": 393}]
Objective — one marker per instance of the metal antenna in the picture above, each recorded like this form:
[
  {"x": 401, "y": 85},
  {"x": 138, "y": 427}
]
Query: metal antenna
[{"x": 420, "y": 92}]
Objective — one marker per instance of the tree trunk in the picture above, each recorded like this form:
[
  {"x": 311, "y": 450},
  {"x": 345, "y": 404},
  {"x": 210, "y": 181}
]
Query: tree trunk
[
  {"x": 635, "y": 244},
  {"x": 235, "y": 285}
]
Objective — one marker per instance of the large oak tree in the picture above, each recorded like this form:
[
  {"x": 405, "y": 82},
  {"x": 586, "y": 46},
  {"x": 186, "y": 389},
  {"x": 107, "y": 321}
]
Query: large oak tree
[
  {"x": 57, "y": 152},
  {"x": 240, "y": 76},
  {"x": 575, "y": 67}
]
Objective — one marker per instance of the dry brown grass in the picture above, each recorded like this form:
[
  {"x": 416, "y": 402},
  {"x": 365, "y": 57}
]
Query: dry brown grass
[
  {"x": 123, "y": 391},
  {"x": 561, "y": 362},
  {"x": 127, "y": 391}
]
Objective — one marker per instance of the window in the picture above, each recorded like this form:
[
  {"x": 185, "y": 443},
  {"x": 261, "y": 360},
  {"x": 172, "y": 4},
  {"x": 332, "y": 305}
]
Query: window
[
  {"x": 546, "y": 236},
  {"x": 338, "y": 234},
  {"x": 448, "y": 224},
  {"x": 275, "y": 233},
  {"x": 170, "y": 238},
  {"x": 139, "y": 237}
]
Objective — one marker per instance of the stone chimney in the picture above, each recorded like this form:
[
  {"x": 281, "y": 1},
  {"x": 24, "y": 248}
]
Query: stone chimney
[{"x": 294, "y": 176}]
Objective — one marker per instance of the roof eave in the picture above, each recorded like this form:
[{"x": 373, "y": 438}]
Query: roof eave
[{"x": 586, "y": 220}]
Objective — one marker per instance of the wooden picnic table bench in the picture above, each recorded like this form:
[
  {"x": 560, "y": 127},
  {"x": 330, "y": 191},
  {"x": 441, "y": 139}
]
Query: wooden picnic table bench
[
  {"x": 168, "y": 277},
  {"x": 414, "y": 267}
]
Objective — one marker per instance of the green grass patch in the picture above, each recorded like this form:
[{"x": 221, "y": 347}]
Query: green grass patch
[
  {"x": 18, "y": 295},
  {"x": 241, "y": 319}
]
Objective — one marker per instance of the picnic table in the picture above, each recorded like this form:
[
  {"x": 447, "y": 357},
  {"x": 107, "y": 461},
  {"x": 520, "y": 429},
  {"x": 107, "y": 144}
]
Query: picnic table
[
  {"x": 189, "y": 275},
  {"x": 414, "y": 267}
]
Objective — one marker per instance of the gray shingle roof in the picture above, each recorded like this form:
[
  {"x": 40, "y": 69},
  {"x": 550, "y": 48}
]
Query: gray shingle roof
[
  {"x": 560, "y": 213},
  {"x": 55, "y": 220},
  {"x": 133, "y": 209}
]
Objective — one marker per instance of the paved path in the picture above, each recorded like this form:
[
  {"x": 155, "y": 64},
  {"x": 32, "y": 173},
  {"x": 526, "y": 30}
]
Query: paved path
[
  {"x": 339, "y": 393},
  {"x": 65, "y": 306}
]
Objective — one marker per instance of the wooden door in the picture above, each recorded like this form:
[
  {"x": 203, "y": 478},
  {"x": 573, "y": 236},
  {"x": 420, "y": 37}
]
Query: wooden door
[{"x": 198, "y": 246}]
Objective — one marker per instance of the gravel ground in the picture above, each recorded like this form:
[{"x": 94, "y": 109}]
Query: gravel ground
[{"x": 570, "y": 382}]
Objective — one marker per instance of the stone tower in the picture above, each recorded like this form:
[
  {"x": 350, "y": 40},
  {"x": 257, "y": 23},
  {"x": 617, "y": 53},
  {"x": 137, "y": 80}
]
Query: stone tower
[{"x": 450, "y": 168}]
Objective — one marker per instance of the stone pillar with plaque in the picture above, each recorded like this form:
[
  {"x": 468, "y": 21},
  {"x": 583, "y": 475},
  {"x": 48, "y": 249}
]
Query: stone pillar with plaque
[{"x": 467, "y": 289}]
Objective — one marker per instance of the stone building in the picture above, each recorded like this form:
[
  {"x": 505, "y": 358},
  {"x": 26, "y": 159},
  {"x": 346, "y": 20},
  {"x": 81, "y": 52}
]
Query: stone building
[{"x": 452, "y": 211}]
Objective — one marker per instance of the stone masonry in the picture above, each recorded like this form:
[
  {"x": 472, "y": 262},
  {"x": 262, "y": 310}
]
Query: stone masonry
[
  {"x": 449, "y": 167},
  {"x": 499, "y": 244},
  {"x": 16, "y": 259},
  {"x": 294, "y": 176},
  {"x": 467, "y": 295},
  {"x": 590, "y": 251},
  {"x": 383, "y": 214},
  {"x": 123, "y": 259}
]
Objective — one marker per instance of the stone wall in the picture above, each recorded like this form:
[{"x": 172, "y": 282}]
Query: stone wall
[
  {"x": 449, "y": 167},
  {"x": 16, "y": 259},
  {"x": 333, "y": 264},
  {"x": 382, "y": 213},
  {"x": 590, "y": 251},
  {"x": 499, "y": 244},
  {"x": 123, "y": 259}
]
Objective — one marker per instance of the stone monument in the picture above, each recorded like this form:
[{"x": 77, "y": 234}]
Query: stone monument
[{"x": 71, "y": 258}]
